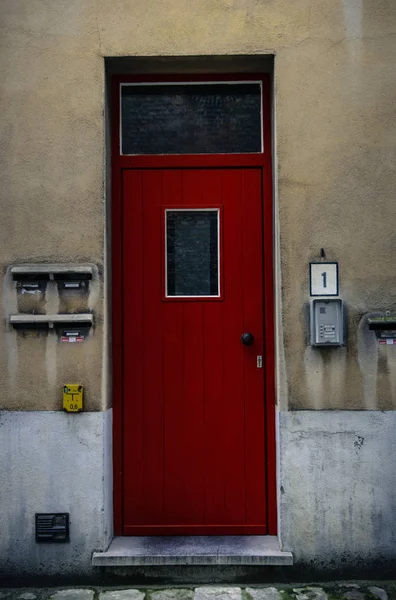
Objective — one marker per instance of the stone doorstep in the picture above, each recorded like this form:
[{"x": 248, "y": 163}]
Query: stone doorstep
[{"x": 193, "y": 550}]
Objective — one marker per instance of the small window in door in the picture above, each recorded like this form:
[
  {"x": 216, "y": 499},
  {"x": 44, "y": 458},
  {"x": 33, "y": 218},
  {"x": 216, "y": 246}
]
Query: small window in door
[{"x": 192, "y": 253}]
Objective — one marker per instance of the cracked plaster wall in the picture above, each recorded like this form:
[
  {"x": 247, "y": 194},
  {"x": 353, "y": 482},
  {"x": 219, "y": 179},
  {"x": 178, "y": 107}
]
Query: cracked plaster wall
[
  {"x": 55, "y": 462},
  {"x": 335, "y": 151},
  {"x": 337, "y": 489}
]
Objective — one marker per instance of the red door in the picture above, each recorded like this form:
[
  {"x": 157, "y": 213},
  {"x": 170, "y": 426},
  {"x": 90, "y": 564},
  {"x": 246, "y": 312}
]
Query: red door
[{"x": 194, "y": 459}]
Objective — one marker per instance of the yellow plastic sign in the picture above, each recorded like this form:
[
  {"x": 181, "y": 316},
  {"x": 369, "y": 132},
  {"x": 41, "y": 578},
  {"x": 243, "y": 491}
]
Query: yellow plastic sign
[{"x": 72, "y": 397}]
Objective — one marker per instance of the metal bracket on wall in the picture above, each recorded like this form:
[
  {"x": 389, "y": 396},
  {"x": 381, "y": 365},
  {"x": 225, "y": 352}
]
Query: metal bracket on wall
[
  {"x": 51, "y": 321},
  {"x": 51, "y": 271}
]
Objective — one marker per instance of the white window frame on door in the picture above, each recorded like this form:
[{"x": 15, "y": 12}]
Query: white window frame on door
[{"x": 186, "y": 209}]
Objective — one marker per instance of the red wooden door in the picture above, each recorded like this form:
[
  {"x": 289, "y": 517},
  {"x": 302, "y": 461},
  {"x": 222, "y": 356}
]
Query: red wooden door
[{"x": 193, "y": 410}]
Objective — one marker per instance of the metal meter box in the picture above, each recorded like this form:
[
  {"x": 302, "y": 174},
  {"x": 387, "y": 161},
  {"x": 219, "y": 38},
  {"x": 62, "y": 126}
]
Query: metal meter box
[
  {"x": 72, "y": 397},
  {"x": 327, "y": 322}
]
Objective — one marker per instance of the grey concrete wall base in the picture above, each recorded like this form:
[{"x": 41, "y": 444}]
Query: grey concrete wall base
[
  {"x": 338, "y": 489},
  {"x": 337, "y": 496},
  {"x": 54, "y": 462}
]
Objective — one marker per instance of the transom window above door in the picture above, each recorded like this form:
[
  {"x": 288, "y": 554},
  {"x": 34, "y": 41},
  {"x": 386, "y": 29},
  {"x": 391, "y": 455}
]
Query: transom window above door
[{"x": 191, "y": 118}]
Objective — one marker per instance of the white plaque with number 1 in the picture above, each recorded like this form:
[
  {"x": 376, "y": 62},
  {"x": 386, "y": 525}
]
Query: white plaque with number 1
[{"x": 324, "y": 279}]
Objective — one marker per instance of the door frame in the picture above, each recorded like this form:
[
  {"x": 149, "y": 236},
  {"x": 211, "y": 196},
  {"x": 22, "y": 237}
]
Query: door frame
[{"x": 118, "y": 163}]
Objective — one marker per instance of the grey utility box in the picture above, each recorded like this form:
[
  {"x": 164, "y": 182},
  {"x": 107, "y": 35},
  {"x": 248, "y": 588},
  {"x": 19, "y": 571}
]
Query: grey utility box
[{"x": 327, "y": 322}]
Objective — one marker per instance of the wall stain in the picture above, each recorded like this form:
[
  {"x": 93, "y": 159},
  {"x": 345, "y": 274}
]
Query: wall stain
[{"x": 359, "y": 441}]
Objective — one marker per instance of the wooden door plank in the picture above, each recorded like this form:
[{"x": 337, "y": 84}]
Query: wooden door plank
[
  {"x": 133, "y": 415},
  {"x": 173, "y": 377},
  {"x": 152, "y": 347},
  {"x": 213, "y": 384},
  {"x": 233, "y": 349},
  {"x": 253, "y": 322},
  {"x": 193, "y": 510}
]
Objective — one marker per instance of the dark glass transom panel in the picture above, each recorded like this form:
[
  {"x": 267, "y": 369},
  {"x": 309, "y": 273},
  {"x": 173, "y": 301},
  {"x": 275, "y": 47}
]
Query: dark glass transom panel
[
  {"x": 192, "y": 253},
  {"x": 191, "y": 119}
]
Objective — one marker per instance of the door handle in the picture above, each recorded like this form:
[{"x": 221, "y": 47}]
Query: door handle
[{"x": 247, "y": 338}]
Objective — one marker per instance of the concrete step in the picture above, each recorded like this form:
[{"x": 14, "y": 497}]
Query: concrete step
[{"x": 193, "y": 550}]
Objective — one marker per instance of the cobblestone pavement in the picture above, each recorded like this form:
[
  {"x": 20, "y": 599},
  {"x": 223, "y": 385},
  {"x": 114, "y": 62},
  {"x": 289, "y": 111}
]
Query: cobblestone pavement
[{"x": 317, "y": 591}]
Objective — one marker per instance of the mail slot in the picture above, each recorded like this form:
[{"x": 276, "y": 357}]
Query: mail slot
[
  {"x": 35, "y": 277},
  {"x": 384, "y": 327}
]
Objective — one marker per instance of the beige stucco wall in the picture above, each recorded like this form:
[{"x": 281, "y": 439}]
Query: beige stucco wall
[{"x": 335, "y": 152}]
